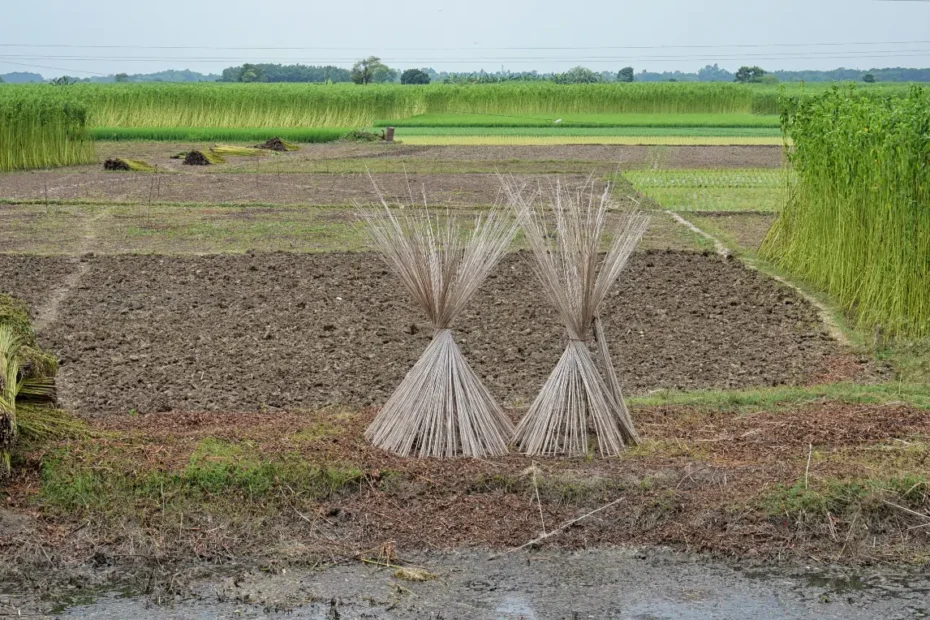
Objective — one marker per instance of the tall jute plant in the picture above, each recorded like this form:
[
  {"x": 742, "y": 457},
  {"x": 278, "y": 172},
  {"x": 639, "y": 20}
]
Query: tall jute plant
[
  {"x": 9, "y": 381},
  {"x": 578, "y": 398},
  {"x": 441, "y": 408},
  {"x": 12, "y": 386}
]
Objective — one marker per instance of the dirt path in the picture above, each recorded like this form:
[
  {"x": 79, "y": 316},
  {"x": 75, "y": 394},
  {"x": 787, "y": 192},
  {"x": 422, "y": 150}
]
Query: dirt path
[{"x": 47, "y": 313}]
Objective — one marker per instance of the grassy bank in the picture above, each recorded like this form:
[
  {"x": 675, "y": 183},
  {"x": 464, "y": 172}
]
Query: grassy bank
[{"x": 210, "y": 487}]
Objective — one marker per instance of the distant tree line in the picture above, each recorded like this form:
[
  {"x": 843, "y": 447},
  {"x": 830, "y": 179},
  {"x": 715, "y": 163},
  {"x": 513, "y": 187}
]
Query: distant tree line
[
  {"x": 373, "y": 70},
  {"x": 713, "y": 73},
  {"x": 285, "y": 73}
]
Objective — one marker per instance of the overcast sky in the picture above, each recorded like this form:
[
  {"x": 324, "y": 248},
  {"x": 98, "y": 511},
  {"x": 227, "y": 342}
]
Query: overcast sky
[{"x": 462, "y": 35}]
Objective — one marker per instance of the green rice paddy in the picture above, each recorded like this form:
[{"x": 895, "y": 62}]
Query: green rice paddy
[
  {"x": 731, "y": 190},
  {"x": 574, "y": 121}
]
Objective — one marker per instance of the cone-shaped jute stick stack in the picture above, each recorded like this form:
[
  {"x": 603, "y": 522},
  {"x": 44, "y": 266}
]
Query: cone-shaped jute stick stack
[
  {"x": 565, "y": 231},
  {"x": 441, "y": 408}
]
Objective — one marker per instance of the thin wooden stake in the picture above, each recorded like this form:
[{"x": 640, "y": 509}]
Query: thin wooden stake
[
  {"x": 559, "y": 529},
  {"x": 807, "y": 471}
]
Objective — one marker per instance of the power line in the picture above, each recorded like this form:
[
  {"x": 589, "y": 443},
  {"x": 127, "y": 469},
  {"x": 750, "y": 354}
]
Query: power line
[
  {"x": 459, "y": 59},
  {"x": 30, "y": 66},
  {"x": 474, "y": 47}
]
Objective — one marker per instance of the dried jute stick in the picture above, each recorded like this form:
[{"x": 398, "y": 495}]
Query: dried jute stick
[
  {"x": 577, "y": 400},
  {"x": 441, "y": 408}
]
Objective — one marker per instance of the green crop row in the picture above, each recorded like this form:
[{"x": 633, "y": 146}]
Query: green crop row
[
  {"x": 42, "y": 131},
  {"x": 220, "y": 134},
  {"x": 750, "y": 189},
  {"x": 567, "y": 121},
  {"x": 857, "y": 222},
  {"x": 767, "y": 132},
  {"x": 348, "y": 105}
]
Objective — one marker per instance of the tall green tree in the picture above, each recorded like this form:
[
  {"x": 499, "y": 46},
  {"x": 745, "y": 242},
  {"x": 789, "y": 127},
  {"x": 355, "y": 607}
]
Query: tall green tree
[
  {"x": 252, "y": 73},
  {"x": 414, "y": 76},
  {"x": 749, "y": 75},
  {"x": 626, "y": 74},
  {"x": 869, "y": 78},
  {"x": 578, "y": 75},
  {"x": 370, "y": 70},
  {"x": 121, "y": 77}
]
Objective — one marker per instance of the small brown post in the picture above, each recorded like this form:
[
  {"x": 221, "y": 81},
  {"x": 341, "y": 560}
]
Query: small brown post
[{"x": 389, "y": 134}]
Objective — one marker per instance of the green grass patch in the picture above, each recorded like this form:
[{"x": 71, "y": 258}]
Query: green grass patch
[
  {"x": 915, "y": 395},
  {"x": 108, "y": 479},
  {"x": 685, "y": 132},
  {"x": 569, "y": 121},
  {"x": 569, "y": 138},
  {"x": 839, "y": 497},
  {"x": 220, "y": 134}
]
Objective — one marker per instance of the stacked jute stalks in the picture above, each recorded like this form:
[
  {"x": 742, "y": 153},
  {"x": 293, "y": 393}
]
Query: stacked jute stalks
[
  {"x": 578, "y": 398},
  {"x": 441, "y": 408}
]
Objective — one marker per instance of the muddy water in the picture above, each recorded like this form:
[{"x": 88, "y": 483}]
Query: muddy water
[{"x": 592, "y": 584}]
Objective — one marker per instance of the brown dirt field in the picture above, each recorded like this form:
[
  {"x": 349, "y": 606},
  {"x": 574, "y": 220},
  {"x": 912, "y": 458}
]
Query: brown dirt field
[
  {"x": 245, "y": 332},
  {"x": 628, "y": 156},
  {"x": 32, "y": 278},
  {"x": 442, "y": 190}
]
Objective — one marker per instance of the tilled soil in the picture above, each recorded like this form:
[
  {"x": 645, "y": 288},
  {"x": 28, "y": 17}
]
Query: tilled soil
[
  {"x": 33, "y": 278},
  {"x": 441, "y": 190},
  {"x": 628, "y": 156},
  {"x": 255, "y": 331},
  {"x": 747, "y": 230}
]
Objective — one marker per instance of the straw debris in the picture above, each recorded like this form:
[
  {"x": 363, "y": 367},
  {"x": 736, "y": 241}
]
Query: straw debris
[{"x": 131, "y": 165}]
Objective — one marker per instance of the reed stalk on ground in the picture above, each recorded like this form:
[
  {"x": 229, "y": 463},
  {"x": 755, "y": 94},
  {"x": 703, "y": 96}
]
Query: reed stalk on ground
[
  {"x": 13, "y": 385},
  {"x": 441, "y": 408},
  {"x": 578, "y": 398}
]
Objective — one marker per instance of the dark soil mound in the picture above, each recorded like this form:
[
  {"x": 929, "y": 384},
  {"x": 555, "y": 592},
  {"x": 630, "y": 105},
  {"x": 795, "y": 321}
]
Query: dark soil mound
[
  {"x": 116, "y": 164},
  {"x": 277, "y": 144},
  {"x": 196, "y": 158}
]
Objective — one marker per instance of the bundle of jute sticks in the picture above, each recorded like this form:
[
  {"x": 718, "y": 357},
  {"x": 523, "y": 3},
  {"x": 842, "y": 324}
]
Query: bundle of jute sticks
[{"x": 441, "y": 408}]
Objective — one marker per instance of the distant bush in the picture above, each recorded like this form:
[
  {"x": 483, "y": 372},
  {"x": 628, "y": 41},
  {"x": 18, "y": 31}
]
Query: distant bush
[
  {"x": 414, "y": 76},
  {"x": 626, "y": 74}
]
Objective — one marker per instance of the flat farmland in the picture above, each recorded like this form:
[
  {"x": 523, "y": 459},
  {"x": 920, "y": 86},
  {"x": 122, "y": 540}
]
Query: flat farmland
[{"x": 227, "y": 332}]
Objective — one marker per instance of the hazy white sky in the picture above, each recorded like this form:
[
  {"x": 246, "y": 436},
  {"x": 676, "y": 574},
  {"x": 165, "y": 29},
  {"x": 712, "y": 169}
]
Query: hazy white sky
[{"x": 462, "y": 35}]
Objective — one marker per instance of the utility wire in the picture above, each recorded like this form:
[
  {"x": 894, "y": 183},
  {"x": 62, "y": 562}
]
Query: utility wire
[
  {"x": 30, "y": 66},
  {"x": 474, "y": 47},
  {"x": 479, "y": 59}
]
